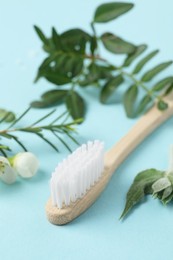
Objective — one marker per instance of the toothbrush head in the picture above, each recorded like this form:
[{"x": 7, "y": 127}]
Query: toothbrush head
[{"x": 73, "y": 178}]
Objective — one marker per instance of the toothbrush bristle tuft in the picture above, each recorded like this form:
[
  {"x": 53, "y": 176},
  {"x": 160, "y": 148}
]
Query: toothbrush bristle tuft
[{"x": 75, "y": 175}]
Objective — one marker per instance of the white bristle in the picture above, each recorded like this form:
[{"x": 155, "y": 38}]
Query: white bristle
[{"x": 74, "y": 176}]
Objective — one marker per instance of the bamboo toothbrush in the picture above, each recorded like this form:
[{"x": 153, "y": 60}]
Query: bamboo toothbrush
[{"x": 79, "y": 180}]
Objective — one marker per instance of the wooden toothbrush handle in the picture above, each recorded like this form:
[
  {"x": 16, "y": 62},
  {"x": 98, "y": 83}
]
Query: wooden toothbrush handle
[{"x": 146, "y": 125}]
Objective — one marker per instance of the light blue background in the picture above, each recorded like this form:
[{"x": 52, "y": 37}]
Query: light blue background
[{"x": 97, "y": 234}]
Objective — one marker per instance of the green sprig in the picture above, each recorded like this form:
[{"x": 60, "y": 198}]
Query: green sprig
[
  {"x": 153, "y": 182},
  {"x": 73, "y": 57},
  {"x": 64, "y": 127}
]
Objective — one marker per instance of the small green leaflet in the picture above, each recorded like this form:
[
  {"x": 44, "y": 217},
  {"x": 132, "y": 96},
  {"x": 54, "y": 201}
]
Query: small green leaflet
[
  {"x": 6, "y": 116},
  {"x": 74, "y": 40},
  {"x": 129, "y": 100},
  {"x": 56, "y": 39},
  {"x": 163, "y": 84},
  {"x": 153, "y": 72},
  {"x": 131, "y": 57},
  {"x": 143, "y": 104},
  {"x": 75, "y": 105},
  {"x": 168, "y": 90},
  {"x": 50, "y": 98},
  {"x": 162, "y": 105},
  {"x": 41, "y": 34},
  {"x": 56, "y": 78},
  {"x": 44, "y": 67},
  {"x": 116, "y": 44},
  {"x": 144, "y": 61},
  {"x": 141, "y": 186},
  {"x": 110, "y": 87},
  {"x": 54, "y": 95},
  {"x": 93, "y": 44},
  {"x": 107, "y": 12}
]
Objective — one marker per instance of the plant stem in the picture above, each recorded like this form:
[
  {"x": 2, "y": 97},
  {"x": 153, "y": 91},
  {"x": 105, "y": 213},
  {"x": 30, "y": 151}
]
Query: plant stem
[
  {"x": 131, "y": 76},
  {"x": 95, "y": 36},
  {"x": 137, "y": 82},
  {"x": 93, "y": 29}
]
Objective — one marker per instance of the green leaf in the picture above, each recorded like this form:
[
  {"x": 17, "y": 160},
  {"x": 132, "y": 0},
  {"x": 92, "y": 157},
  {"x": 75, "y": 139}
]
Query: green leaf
[
  {"x": 44, "y": 67},
  {"x": 5, "y": 147},
  {"x": 162, "y": 105},
  {"x": 56, "y": 78},
  {"x": 50, "y": 98},
  {"x": 129, "y": 100},
  {"x": 40, "y": 104},
  {"x": 117, "y": 45},
  {"x": 142, "y": 182},
  {"x": 75, "y": 40},
  {"x": 153, "y": 72},
  {"x": 31, "y": 129},
  {"x": 63, "y": 142},
  {"x": 49, "y": 44},
  {"x": 142, "y": 62},
  {"x": 168, "y": 90},
  {"x": 56, "y": 39},
  {"x": 54, "y": 95},
  {"x": 131, "y": 57},
  {"x": 68, "y": 64},
  {"x": 15, "y": 138},
  {"x": 14, "y": 122},
  {"x": 110, "y": 87},
  {"x": 50, "y": 47},
  {"x": 41, "y": 35},
  {"x": 47, "y": 141},
  {"x": 75, "y": 105},
  {"x": 162, "y": 84},
  {"x": 74, "y": 66},
  {"x": 143, "y": 104},
  {"x": 6, "y": 116},
  {"x": 150, "y": 175},
  {"x": 93, "y": 44},
  {"x": 107, "y": 12}
]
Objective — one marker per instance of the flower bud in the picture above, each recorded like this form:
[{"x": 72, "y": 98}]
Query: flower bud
[
  {"x": 7, "y": 173},
  {"x": 26, "y": 164}
]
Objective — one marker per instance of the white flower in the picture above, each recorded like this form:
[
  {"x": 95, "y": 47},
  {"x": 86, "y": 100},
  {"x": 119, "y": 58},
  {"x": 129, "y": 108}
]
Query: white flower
[
  {"x": 26, "y": 164},
  {"x": 161, "y": 184},
  {"x": 7, "y": 173}
]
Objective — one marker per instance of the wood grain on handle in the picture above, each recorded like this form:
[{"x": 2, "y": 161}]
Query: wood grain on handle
[{"x": 113, "y": 158}]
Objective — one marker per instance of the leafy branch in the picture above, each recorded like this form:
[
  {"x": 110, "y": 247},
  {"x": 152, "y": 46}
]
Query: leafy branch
[
  {"x": 73, "y": 57},
  {"x": 58, "y": 127},
  {"x": 153, "y": 182}
]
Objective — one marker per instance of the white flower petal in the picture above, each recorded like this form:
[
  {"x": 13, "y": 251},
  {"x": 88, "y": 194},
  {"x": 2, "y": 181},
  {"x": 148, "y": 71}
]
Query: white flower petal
[
  {"x": 161, "y": 184},
  {"x": 7, "y": 173},
  {"x": 26, "y": 164}
]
